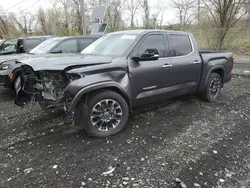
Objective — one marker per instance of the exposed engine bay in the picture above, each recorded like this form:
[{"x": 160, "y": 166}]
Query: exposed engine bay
[{"x": 45, "y": 87}]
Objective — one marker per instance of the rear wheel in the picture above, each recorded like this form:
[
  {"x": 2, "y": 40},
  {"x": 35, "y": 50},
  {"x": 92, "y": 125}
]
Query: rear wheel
[
  {"x": 213, "y": 87},
  {"x": 106, "y": 114}
]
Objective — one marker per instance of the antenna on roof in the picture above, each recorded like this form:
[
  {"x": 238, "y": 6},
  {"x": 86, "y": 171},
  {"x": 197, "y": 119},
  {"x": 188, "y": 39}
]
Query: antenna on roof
[{"x": 98, "y": 14}]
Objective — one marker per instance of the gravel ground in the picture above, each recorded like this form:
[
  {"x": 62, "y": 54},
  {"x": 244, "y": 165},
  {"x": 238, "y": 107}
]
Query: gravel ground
[
  {"x": 179, "y": 143},
  {"x": 242, "y": 66}
]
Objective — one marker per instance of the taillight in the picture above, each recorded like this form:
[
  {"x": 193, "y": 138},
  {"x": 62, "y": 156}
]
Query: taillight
[{"x": 233, "y": 61}]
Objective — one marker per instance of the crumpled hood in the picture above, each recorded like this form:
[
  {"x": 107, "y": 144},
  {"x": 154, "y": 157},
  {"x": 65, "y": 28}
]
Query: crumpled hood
[{"x": 63, "y": 62}]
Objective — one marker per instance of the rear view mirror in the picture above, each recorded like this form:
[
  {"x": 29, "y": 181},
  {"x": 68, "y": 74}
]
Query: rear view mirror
[
  {"x": 56, "y": 51},
  {"x": 148, "y": 55}
]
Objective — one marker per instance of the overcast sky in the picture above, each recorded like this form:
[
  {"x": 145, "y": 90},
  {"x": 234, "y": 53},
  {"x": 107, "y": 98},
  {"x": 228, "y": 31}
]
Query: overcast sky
[{"x": 33, "y": 6}]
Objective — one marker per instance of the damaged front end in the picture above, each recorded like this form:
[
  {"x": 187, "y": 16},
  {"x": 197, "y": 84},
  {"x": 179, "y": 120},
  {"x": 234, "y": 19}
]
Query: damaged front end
[{"x": 45, "y": 87}]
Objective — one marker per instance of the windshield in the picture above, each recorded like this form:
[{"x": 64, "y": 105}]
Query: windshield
[
  {"x": 8, "y": 46},
  {"x": 45, "y": 46},
  {"x": 110, "y": 45}
]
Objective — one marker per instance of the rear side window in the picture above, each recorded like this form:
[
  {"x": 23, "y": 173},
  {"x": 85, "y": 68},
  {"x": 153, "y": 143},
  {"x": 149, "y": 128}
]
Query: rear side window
[
  {"x": 68, "y": 46},
  {"x": 153, "y": 41},
  {"x": 83, "y": 43},
  {"x": 32, "y": 43},
  {"x": 180, "y": 44}
]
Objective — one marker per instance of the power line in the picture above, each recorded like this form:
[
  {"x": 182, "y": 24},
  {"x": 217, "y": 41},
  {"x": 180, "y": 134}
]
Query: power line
[
  {"x": 15, "y": 5},
  {"x": 30, "y": 6}
]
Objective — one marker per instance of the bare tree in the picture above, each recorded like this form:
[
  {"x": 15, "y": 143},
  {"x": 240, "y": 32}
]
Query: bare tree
[
  {"x": 247, "y": 8},
  {"x": 159, "y": 9},
  {"x": 114, "y": 15},
  {"x": 133, "y": 8},
  {"x": 225, "y": 14},
  {"x": 77, "y": 21},
  {"x": 42, "y": 21},
  {"x": 65, "y": 14},
  {"x": 24, "y": 20},
  {"x": 4, "y": 27},
  {"x": 146, "y": 13},
  {"x": 185, "y": 11}
]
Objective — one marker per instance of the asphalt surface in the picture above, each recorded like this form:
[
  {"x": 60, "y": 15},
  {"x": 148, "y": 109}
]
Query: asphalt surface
[{"x": 180, "y": 143}]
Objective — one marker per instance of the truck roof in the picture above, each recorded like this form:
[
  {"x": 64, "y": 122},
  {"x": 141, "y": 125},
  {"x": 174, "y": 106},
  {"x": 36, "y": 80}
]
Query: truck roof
[
  {"x": 144, "y": 31},
  {"x": 82, "y": 37},
  {"x": 30, "y": 37}
]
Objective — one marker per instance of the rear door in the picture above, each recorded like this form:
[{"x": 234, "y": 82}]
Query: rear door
[{"x": 186, "y": 63}]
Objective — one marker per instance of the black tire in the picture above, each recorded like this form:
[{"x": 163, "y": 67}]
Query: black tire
[
  {"x": 87, "y": 119},
  {"x": 211, "y": 94}
]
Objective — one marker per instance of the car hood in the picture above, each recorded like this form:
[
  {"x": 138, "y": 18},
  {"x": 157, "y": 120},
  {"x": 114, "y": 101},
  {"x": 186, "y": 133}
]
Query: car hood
[
  {"x": 12, "y": 57},
  {"x": 22, "y": 57},
  {"x": 63, "y": 62}
]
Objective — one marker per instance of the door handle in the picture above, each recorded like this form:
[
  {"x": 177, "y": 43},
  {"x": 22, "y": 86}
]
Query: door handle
[
  {"x": 196, "y": 62},
  {"x": 167, "y": 66}
]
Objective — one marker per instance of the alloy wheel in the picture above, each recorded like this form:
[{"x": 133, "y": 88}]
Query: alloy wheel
[
  {"x": 214, "y": 88},
  {"x": 106, "y": 115}
]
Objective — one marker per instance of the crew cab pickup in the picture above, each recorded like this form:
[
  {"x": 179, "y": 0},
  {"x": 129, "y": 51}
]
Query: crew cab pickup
[
  {"x": 122, "y": 70},
  {"x": 58, "y": 46}
]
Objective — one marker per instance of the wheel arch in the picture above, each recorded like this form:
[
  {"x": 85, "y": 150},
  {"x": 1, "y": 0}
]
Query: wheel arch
[
  {"x": 217, "y": 69},
  {"x": 85, "y": 92},
  {"x": 16, "y": 73}
]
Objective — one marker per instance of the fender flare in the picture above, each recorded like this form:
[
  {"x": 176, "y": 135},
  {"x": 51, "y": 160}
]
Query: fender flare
[
  {"x": 93, "y": 87},
  {"x": 211, "y": 70}
]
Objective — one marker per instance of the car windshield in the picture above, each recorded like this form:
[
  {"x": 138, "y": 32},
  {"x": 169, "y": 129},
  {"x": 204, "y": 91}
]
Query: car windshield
[
  {"x": 110, "y": 45},
  {"x": 45, "y": 46}
]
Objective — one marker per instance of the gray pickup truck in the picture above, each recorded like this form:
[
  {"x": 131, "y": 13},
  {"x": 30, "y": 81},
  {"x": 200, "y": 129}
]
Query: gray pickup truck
[{"x": 122, "y": 70}]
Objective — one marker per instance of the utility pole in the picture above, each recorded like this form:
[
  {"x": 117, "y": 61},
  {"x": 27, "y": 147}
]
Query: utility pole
[{"x": 82, "y": 17}]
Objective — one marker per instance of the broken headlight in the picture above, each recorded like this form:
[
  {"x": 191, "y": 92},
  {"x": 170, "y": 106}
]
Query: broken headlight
[{"x": 4, "y": 66}]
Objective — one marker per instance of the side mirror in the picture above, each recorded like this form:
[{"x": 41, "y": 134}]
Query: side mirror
[
  {"x": 56, "y": 51},
  {"x": 148, "y": 55}
]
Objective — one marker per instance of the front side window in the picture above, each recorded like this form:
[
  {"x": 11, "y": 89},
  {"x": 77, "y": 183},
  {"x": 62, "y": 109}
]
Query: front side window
[
  {"x": 8, "y": 46},
  {"x": 68, "y": 46},
  {"x": 113, "y": 45},
  {"x": 180, "y": 44},
  {"x": 154, "y": 41},
  {"x": 46, "y": 46}
]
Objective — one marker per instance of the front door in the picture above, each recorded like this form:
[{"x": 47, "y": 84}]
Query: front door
[{"x": 148, "y": 78}]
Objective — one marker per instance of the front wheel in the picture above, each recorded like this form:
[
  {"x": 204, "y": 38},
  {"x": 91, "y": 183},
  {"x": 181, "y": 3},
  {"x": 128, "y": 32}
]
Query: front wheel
[
  {"x": 17, "y": 84},
  {"x": 213, "y": 87},
  {"x": 106, "y": 114}
]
